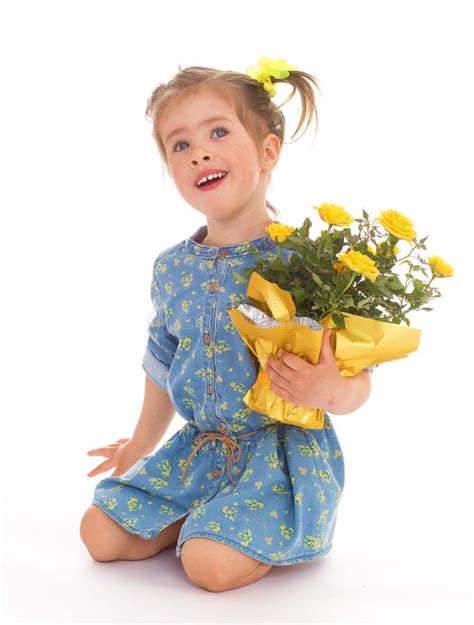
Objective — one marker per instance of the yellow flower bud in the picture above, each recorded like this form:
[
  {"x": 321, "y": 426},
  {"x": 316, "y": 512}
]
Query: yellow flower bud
[
  {"x": 334, "y": 214},
  {"x": 360, "y": 263},
  {"x": 397, "y": 224},
  {"x": 439, "y": 267},
  {"x": 279, "y": 232}
]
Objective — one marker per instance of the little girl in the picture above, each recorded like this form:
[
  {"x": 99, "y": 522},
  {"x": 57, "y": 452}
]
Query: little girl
[{"x": 236, "y": 491}]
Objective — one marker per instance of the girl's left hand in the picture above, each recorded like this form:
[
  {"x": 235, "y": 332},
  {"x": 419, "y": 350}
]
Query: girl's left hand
[{"x": 303, "y": 384}]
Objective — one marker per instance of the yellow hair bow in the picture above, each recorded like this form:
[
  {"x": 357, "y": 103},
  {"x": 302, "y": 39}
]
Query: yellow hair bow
[{"x": 267, "y": 67}]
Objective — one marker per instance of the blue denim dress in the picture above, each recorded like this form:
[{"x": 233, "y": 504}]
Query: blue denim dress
[{"x": 267, "y": 489}]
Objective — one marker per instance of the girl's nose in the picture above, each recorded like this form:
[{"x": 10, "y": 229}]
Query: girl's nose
[{"x": 200, "y": 154}]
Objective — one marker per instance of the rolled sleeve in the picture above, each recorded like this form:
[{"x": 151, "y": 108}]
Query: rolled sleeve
[{"x": 161, "y": 346}]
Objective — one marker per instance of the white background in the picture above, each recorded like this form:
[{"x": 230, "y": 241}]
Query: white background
[{"x": 85, "y": 211}]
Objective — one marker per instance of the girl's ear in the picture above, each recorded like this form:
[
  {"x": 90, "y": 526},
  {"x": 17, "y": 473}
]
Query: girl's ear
[{"x": 271, "y": 151}]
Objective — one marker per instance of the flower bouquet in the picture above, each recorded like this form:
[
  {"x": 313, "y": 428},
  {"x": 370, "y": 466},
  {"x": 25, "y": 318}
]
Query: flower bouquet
[{"x": 345, "y": 281}]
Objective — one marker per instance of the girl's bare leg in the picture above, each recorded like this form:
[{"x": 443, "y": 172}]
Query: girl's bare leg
[{"x": 106, "y": 540}]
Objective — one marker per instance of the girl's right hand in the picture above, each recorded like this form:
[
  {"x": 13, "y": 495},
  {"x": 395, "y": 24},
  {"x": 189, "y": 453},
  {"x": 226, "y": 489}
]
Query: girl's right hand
[{"x": 122, "y": 455}]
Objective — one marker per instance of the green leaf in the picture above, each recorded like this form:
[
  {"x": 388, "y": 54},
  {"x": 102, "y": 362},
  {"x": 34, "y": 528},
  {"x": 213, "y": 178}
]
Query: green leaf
[
  {"x": 317, "y": 279},
  {"x": 238, "y": 278},
  {"x": 394, "y": 283},
  {"x": 418, "y": 285},
  {"x": 363, "y": 302},
  {"x": 304, "y": 230},
  {"x": 365, "y": 213},
  {"x": 384, "y": 290},
  {"x": 338, "y": 320}
]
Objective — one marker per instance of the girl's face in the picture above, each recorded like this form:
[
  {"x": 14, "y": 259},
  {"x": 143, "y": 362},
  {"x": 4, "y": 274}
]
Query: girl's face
[{"x": 221, "y": 144}]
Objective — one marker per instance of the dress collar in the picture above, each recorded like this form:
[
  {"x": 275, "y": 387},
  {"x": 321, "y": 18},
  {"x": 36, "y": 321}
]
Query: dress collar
[{"x": 192, "y": 244}]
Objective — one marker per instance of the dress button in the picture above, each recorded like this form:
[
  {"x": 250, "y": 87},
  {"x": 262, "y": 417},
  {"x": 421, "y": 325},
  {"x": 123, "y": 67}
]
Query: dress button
[
  {"x": 213, "y": 285},
  {"x": 223, "y": 253},
  {"x": 209, "y": 388},
  {"x": 207, "y": 338},
  {"x": 216, "y": 472}
]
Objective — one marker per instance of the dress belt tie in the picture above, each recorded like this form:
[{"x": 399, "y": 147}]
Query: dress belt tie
[{"x": 234, "y": 448}]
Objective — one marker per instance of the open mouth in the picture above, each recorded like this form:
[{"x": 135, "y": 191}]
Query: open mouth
[{"x": 209, "y": 185}]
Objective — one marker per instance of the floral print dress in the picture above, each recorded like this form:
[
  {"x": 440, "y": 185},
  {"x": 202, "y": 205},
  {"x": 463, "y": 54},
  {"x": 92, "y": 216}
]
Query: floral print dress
[{"x": 267, "y": 489}]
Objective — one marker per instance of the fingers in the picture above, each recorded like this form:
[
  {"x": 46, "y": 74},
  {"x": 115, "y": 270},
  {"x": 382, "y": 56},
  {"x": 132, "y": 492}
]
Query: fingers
[
  {"x": 103, "y": 451},
  {"x": 103, "y": 466},
  {"x": 279, "y": 380},
  {"x": 278, "y": 372},
  {"x": 117, "y": 443},
  {"x": 107, "y": 451}
]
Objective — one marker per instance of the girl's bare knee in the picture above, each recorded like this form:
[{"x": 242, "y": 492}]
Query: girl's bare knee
[
  {"x": 106, "y": 540},
  {"x": 102, "y": 536}
]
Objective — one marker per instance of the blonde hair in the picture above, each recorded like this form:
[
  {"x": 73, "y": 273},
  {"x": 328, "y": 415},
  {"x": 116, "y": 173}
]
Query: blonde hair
[{"x": 254, "y": 107}]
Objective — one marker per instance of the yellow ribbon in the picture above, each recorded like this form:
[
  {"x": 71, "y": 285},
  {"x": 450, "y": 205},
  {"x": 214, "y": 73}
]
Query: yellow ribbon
[{"x": 268, "y": 67}]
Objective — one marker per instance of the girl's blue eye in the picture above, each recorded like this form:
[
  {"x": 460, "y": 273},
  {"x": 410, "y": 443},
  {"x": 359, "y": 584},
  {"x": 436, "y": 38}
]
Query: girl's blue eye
[{"x": 180, "y": 142}]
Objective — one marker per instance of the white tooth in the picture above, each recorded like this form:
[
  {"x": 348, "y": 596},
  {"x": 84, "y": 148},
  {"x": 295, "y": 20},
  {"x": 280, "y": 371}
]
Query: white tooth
[{"x": 211, "y": 177}]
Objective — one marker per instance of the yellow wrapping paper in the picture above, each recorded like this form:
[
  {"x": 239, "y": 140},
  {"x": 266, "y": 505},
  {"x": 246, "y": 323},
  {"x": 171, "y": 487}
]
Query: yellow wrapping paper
[{"x": 363, "y": 342}]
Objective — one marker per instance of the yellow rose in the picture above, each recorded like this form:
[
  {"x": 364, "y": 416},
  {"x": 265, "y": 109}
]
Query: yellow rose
[
  {"x": 334, "y": 214},
  {"x": 360, "y": 263},
  {"x": 341, "y": 268},
  {"x": 397, "y": 224},
  {"x": 439, "y": 267},
  {"x": 279, "y": 232},
  {"x": 395, "y": 249}
]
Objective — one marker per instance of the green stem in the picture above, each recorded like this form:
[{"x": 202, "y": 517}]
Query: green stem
[
  {"x": 354, "y": 273},
  {"x": 403, "y": 295},
  {"x": 408, "y": 255},
  {"x": 410, "y": 308}
]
